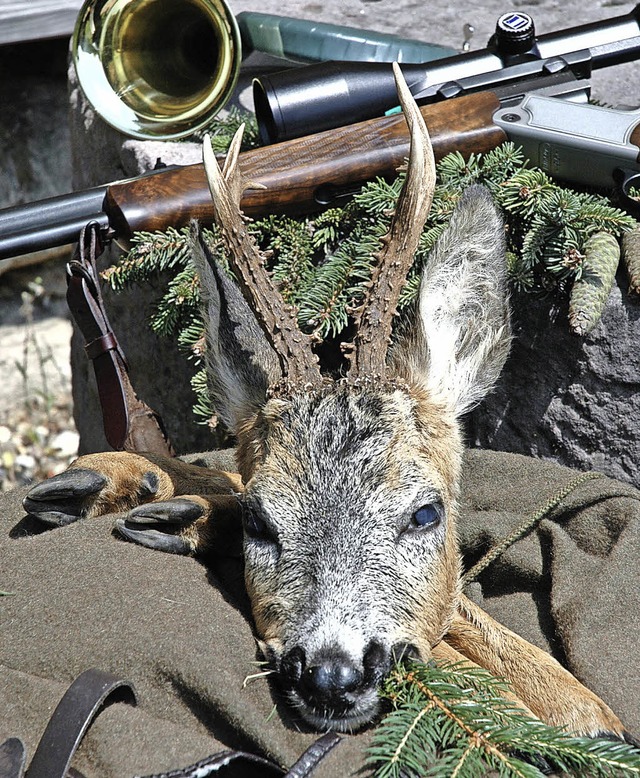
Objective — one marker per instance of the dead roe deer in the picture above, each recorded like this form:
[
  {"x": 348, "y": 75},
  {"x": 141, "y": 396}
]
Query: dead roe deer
[{"x": 347, "y": 488}]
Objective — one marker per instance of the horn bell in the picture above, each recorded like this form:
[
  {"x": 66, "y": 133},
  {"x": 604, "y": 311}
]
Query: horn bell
[{"x": 157, "y": 69}]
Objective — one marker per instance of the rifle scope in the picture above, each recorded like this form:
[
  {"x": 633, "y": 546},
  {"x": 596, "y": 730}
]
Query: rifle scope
[{"x": 319, "y": 97}]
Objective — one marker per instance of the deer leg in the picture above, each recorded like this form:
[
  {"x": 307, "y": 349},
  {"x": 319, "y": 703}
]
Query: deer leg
[
  {"x": 536, "y": 678},
  {"x": 190, "y": 524},
  {"x": 97, "y": 484},
  {"x": 445, "y": 652}
]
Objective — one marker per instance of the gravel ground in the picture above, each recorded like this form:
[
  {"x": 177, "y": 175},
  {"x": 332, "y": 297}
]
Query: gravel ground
[{"x": 37, "y": 433}]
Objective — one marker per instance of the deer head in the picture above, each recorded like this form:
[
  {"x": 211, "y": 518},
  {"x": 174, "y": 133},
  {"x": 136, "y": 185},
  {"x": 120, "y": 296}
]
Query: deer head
[{"x": 351, "y": 485}]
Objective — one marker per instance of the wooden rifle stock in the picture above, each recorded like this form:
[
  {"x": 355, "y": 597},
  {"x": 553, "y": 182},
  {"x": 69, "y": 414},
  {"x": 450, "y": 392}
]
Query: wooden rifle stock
[{"x": 296, "y": 171}]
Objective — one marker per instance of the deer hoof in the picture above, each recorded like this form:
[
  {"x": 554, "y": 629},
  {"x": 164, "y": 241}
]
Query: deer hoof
[
  {"x": 631, "y": 740},
  {"x": 61, "y": 500},
  {"x": 178, "y": 511},
  {"x": 157, "y": 525}
]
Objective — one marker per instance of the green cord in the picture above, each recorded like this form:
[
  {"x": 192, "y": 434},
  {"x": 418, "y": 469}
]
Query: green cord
[{"x": 530, "y": 523}]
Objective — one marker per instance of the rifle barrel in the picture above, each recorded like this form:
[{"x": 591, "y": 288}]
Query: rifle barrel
[
  {"x": 56, "y": 221},
  {"x": 60, "y": 208},
  {"x": 46, "y": 236}
]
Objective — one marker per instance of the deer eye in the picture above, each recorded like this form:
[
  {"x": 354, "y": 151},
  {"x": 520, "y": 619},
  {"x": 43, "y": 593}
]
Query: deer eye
[
  {"x": 254, "y": 524},
  {"x": 428, "y": 516}
]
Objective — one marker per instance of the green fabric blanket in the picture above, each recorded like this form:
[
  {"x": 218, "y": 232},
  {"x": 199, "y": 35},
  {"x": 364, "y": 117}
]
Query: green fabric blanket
[{"x": 80, "y": 598}]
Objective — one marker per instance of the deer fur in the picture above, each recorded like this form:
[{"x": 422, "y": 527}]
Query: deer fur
[{"x": 348, "y": 487}]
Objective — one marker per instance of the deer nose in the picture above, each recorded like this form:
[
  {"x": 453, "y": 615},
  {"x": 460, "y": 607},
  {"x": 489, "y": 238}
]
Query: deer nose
[{"x": 331, "y": 677}]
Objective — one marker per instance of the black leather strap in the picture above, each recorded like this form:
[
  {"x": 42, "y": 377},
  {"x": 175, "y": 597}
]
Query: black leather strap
[
  {"x": 238, "y": 764},
  {"x": 91, "y": 692},
  {"x": 227, "y": 764},
  {"x": 312, "y": 757},
  {"x": 86, "y": 696}
]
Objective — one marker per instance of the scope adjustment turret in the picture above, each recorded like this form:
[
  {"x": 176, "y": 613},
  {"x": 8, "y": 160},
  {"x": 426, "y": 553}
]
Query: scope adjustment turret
[{"x": 515, "y": 33}]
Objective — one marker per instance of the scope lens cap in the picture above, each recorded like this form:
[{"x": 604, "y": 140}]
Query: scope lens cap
[{"x": 515, "y": 33}]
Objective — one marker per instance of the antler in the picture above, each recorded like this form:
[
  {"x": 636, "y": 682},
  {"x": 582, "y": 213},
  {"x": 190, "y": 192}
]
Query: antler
[
  {"x": 375, "y": 316},
  {"x": 298, "y": 363}
]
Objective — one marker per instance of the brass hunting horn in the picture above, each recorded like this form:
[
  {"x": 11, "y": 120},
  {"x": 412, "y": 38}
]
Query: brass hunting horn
[{"x": 157, "y": 68}]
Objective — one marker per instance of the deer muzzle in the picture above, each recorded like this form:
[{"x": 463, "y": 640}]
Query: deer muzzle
[{"x": 331, "y": 689}]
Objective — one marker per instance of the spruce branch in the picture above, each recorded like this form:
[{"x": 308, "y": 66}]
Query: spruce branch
[
  {"x": 289, "y": 243},
  {"x": 322, "y": 264},
  {"x": 453, "y": 720},
  {"x": 180, "y": 303},
  {"x": 222, "y": 129},
  {"x": 202, "y": 407},
  {"x": 151, "y": 253},
  {"x": 332, "y": 226}
]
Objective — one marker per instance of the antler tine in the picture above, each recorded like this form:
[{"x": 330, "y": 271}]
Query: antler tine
[
  {"x": 375, "y": 317},
  {"x": 298, "y": 363}
]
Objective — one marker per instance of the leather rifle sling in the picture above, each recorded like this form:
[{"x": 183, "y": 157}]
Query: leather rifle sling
[
  {"x": 83, "y": 701},
  {"x": 129, "y": 423}
]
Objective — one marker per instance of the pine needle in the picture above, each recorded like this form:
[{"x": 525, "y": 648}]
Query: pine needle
[{"x": 255, "y": 676}]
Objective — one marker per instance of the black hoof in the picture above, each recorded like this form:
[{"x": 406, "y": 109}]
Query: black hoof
[
  {"x": 59, "y": 500},
  {"x": 625, "y": 736},
  {"x": 153, "y": 538},
  {"x": 148, "y": 485},
  {"x": 52, "y": 516},
  {"x": 631, "y": 740},
  {"x": 77, "y": 482},
  {"x": 175, "y": 511}
]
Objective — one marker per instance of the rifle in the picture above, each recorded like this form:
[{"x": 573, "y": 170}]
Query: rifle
[{"x": 549, "y": 116}]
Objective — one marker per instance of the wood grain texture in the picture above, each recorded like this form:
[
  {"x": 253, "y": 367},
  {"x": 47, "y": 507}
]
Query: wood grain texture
[
  {"x": 293, "y": 171},
  {"x": 27, "y": 20}
]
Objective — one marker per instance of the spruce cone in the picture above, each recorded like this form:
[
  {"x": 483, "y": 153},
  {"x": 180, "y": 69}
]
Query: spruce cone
[
  {"x": 590, "y": 292},
  {"x": 631, "y": 257}
]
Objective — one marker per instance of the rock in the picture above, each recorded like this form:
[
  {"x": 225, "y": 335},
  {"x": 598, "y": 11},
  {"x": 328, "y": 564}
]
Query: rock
[
  {"x": 34, "y": 133},
  {"x": 141, "y": 156},
  {"x": 65, "y": 443},
  {"x": 570, "y": 399}
]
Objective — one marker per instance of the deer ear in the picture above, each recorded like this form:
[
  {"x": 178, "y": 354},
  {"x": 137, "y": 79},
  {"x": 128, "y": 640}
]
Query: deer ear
[
  {"x": 459, "y": 338},
  {"x": 241, "y": 365}
]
